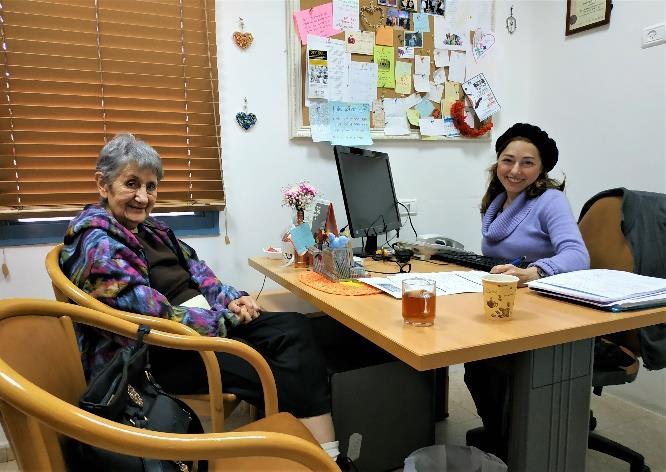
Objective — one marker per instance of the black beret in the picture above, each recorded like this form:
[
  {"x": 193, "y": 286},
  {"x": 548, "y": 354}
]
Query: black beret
[{"x": 545, "y": 144}]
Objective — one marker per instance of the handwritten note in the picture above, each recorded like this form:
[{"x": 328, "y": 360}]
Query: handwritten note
[
  {"x": 441, "y": 57},
  {"x": 320, "y": 121},
  {"x": 421, "y": 22},
  {"x": 422, "y": 65},
  {"x": 338, "y": 69},
  {"x": 435, "y": 93},
  {"x": 350, "y": 124},
  {"x": 439, "y": 76},
  {"x": 317, "y": 21},
  {"x": 360, "y": 42},
  {"x": 403, "y": 77},
  {"x": 396, "y": 123},
  {"x": 457, "y": 66},
  {"x": 345, "y": 15},
  {"x": 413, "y": 116},
  {"x": 362, "y": 86},
  {"x": 432, "y": 126},
  {"x": 421, "y": 83},
  {"x": 384, "y": 58}
]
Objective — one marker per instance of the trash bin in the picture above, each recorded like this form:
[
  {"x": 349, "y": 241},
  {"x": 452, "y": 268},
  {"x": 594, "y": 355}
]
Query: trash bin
[{"x": 442, "y": 458}]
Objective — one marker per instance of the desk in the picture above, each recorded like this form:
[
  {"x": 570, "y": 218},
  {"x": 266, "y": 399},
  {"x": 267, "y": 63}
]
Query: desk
[{"x": 552, "y": 376}]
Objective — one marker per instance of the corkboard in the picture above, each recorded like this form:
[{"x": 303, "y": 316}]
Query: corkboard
[{"x": 299, "y": 120}]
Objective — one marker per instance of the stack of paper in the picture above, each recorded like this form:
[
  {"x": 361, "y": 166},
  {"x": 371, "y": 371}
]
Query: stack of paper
[
  {"x": 447, "y": 283},
  {"x": 606, "y": 289}
]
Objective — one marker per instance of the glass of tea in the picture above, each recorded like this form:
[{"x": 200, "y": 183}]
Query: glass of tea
[{"x": 419, "y": 301}]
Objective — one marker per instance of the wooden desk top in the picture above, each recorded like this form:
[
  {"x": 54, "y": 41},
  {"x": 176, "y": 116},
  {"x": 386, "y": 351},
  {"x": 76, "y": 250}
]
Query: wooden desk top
[{"x": 461, "y": 332}]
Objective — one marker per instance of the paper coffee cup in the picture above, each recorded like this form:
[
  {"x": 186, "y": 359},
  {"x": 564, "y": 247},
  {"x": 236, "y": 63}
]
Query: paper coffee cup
[{"x": 499, "y": 294}]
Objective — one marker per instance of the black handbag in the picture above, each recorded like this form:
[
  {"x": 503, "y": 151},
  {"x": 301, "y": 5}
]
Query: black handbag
[{"x": 125, "y": 391}]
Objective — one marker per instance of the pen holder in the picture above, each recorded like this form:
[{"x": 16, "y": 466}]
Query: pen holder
[{"x": 335, "y": 264}]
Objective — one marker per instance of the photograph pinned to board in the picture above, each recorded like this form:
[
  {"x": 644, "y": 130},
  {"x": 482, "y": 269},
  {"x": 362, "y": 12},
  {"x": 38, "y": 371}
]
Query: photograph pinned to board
[
  {"x": 481, "y": 96},
  {"x": 409, "y": 5},
  {"x": 413, "y": 39},
  {"x": 433, "y": 7},
  {"x": 317, "y": 73},
  {"x": 398, "y": 19}
]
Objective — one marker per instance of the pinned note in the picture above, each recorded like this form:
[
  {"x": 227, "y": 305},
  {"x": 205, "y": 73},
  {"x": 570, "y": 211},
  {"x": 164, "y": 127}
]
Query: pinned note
[
  {"x": 384, "y": 36},
  {"x": 360, "y": 42},
  {"x": 421, "y": 22},
  {"x": 362, "y": 85},
  {"x": 425, "y": 107},
  {"x": 317, "y": 21},
  {"x": 350, "y": 124},
  {"x": 413, "y": 116},
  {"x": 320, "y": 121},
  {"x": 384, "y": 58},
  {"x": 403, "y": 77},
  {"x": 345, "y": 15}
]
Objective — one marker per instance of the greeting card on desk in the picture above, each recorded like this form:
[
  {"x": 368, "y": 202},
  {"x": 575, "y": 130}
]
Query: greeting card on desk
[
  {"x": 302, "y": 238},
  {"x": 317, "y": 21}
]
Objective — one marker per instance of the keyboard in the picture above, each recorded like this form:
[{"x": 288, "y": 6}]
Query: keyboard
[{"x": 471, "y": 260}]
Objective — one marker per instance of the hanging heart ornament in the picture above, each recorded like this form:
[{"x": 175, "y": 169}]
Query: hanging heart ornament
[
  {"x": 243, "y": 39},
  {"x": 246, "y": 120}
]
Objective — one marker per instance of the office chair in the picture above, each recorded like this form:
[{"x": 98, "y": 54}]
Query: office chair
[
  {"x": 41, "y": 380},
  {"x": 215, "y": 404},
  {"x": 600, "y": 226}
]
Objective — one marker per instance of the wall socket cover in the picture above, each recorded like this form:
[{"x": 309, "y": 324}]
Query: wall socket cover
[{"x": 653, "y": 35}]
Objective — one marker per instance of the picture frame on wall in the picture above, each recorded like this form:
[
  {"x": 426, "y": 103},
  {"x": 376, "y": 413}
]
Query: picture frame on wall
[{"x": 583, "y": 15}]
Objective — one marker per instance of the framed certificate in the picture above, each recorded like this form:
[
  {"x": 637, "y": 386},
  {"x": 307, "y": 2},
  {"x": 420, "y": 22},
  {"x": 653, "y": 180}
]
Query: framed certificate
[{"x": 586, "y": 14}]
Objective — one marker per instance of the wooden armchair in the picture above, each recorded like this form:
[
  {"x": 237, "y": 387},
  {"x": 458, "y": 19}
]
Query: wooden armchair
[
  {"x": 216, "y": 404},
  {"x": 41, "y": 380}
]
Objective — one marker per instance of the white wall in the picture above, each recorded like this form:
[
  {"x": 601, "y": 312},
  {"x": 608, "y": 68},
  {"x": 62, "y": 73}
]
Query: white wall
[{"x": 598, "y": 93}]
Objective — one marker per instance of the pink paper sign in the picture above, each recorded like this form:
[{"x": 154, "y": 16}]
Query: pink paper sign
[{"x": 317, "y": 21}]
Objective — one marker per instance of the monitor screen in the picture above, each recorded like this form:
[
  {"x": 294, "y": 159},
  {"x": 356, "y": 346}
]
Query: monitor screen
[{"x": 368, "y": 192}]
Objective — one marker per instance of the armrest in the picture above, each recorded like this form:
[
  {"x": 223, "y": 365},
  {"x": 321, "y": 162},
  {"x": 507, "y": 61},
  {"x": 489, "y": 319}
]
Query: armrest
[{"x": 86, "y": 427}]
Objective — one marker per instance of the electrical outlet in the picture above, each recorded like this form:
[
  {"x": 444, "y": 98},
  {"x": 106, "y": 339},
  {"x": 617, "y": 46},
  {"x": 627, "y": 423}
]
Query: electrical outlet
[
  {"x": 410, "y": 203},
  {"x": 653, "y": 35}
]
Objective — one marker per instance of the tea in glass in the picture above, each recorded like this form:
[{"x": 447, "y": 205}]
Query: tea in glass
[{"x": 419, "y": 302}]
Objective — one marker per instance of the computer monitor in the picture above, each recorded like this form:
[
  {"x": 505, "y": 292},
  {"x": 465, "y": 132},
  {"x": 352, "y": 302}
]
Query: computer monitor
[{"x": 368, "y": 193}]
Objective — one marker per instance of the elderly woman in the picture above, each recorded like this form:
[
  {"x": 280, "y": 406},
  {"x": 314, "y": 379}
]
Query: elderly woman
[
  {"x": 525, "y": 215},
  {"x": 123, "y": 257}
]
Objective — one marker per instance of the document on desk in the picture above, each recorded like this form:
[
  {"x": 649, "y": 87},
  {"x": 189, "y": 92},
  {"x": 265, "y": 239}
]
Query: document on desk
[
  {"x": 447, "y": 283},
  {"x": 607, "y": 289}
]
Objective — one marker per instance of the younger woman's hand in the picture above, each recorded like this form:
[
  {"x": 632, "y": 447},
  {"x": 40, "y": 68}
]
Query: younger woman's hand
[
  {"x": 244, "y": 308},
  {"x": 524, "y": 275}
]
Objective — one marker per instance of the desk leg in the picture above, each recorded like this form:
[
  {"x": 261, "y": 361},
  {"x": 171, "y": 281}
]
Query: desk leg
[
  {"x": 441, "y": 393},
  {"x": 550, "y": 408}
]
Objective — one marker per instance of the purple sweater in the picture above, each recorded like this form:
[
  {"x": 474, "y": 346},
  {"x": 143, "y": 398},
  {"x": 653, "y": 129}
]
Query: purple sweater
[{"x": 542, "y": 229}]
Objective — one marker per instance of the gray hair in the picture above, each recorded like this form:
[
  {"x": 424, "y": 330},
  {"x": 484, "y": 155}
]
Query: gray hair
[{"x": 125, "y": 149}]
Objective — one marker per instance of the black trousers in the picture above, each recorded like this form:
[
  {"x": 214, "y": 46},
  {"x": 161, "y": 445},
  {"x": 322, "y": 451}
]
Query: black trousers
[
  {"x": 490, "y": 383},
  {"x": 287, "y": 343}
]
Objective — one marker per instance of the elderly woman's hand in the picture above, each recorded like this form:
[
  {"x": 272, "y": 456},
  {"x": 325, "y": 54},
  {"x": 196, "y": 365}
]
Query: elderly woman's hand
[
  {"x": 524, "y": 275},
  {"x": 246, "y": 308}
]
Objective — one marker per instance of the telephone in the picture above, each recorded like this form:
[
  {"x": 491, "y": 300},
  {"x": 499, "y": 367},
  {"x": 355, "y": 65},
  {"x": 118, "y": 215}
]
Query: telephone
[
  {"x": 440, "y": 241},
  {"x": 428, "y": 244}
]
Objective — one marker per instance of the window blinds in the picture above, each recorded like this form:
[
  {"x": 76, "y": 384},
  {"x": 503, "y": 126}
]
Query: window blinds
[{"x": 76, "y": 72}]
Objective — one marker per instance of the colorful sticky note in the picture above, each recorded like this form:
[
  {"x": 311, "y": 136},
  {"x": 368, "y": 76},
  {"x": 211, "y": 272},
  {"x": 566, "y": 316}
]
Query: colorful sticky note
[
  {"x": 385, "y": 59},
  {"x": 384, "y": 36},
  {"x": 425, "y": 108},
  {"x": 421, "y": 22},
  {"x": 413, "y": 116},
  {"x": 360, "y": 42},
  {"x": 317, "y": 21}
]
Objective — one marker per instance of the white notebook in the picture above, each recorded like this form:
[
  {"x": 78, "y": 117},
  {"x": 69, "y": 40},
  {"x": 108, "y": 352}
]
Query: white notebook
[{"x": 613, "y": 290}]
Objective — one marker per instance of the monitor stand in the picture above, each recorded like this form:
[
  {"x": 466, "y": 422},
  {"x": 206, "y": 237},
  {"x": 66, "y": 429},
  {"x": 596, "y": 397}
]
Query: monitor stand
[{"x": 370, "y": 248}]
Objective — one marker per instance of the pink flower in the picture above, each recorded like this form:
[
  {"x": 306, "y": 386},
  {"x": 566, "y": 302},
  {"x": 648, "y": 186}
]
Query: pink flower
[{"x": 298, "y": 196}]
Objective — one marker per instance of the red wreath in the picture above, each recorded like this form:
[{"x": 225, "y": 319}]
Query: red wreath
[{"x": 458, "y": 115}]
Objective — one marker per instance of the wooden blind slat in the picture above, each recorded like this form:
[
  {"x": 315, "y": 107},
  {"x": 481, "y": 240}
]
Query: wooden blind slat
[{"x": 59, "y": 77}]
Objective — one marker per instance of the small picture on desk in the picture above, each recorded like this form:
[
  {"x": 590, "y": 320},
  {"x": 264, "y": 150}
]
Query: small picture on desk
[
  {"x": 413, "y": 39},
  {"x": 398, "y": 18}
]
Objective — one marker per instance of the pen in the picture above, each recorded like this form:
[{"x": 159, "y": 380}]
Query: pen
[{"x": 517, "y": 261}]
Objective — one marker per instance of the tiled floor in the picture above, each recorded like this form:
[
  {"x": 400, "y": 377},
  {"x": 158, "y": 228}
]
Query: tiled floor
[{"x": 630, "y": 425}]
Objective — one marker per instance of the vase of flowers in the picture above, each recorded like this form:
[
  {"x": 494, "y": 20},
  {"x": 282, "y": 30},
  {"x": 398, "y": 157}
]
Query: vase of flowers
[{"x": 298, "y": 197}]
